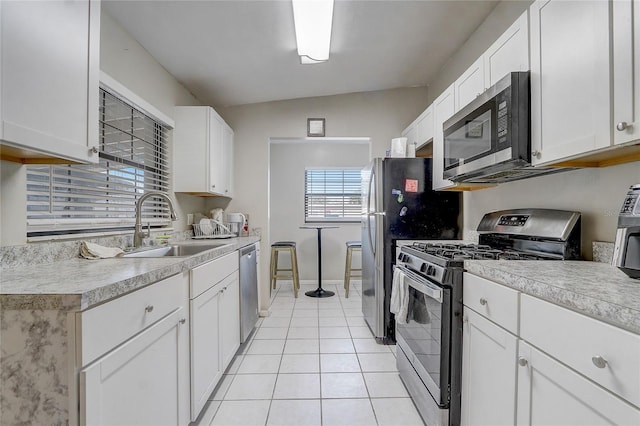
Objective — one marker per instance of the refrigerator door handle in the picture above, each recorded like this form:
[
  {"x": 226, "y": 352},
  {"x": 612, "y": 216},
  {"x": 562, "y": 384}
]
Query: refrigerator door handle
[{"x": 369, "y": 213}]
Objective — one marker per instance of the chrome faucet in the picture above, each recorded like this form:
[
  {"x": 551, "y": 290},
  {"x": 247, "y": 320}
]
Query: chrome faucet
[{"x": 139, "y": 234}]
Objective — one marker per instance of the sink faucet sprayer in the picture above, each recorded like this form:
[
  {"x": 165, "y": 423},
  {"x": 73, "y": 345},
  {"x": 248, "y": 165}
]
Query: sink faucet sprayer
[{"x": 139, "y": 234}]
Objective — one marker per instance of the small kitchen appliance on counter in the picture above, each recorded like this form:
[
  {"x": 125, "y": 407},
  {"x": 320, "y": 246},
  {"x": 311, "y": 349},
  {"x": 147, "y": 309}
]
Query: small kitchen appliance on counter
[
  {"x": 236, "y": 223},
  {"x": 626, "y": 252},
  {"x": 429, "y": 353}
]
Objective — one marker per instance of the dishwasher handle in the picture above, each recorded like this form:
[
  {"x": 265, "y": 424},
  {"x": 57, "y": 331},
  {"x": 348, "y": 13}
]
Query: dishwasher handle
[{"x": 248, "y": 250}]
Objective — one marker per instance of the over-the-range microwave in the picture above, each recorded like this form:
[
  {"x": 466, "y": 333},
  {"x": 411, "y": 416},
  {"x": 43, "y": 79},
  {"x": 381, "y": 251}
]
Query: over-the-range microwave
[{"x": 489, "y": 140}]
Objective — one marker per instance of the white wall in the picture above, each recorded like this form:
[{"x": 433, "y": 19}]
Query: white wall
[
  {"x": 124, "y": 59},
  {"x": 380, "y": 116},
  {"x": 288, "y": 160},
  {"x": 596, "y": 193}
]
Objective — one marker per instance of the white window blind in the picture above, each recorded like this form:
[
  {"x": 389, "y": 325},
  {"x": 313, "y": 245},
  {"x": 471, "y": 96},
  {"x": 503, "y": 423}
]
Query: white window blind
[
  {"x": 332, "y": 195},
  {"x": 64, "y": 199}
]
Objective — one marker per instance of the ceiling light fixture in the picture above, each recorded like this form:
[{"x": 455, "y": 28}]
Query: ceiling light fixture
[{"x": 312, "y": 20}]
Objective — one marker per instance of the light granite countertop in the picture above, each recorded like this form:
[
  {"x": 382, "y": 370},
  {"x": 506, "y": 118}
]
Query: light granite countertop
[
  {"x": 598, "y": 290},
  {"x": 78, "y": 284}
]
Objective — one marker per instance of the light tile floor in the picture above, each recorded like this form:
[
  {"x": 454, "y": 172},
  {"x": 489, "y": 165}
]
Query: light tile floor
[{"x": 312, "y": 362}]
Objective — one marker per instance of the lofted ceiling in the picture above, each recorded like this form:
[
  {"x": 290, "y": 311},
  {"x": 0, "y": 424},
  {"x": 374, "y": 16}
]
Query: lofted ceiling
[{"x": 240, "y": 52}]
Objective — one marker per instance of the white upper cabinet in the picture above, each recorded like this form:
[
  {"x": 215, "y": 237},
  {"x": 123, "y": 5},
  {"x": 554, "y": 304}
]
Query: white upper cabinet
[
  {"x": 411, "y": 133},
  {"x": 626, "y": 71},
  {"x": 443, "y": 109},
  {"x": 570, "y": 78},
  {"x": 470, "y": 84},
  {"x": 510, "y": 52},
  {"x": 49, "y": 77},
  {"x": 202, "y": 151},
  {"x": 421, "y": 130}
]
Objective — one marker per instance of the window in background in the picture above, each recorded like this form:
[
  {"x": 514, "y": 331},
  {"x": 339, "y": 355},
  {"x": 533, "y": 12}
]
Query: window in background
[
  {"x": 68, "y": 199},
  {"x": 332, "y": 195}
]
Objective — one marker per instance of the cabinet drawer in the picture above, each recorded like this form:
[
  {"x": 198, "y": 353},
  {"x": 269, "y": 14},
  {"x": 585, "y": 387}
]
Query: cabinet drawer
[
  {"x": 206, "y": 276},
  {"x": 106, "y": 326},
  {"x": 494, "y": 301},
  {"x": 577, "y": 340}
]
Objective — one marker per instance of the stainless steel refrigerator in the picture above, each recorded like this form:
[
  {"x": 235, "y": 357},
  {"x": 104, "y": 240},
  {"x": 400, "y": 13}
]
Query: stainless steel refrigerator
[{"x": 398, "y": 203}]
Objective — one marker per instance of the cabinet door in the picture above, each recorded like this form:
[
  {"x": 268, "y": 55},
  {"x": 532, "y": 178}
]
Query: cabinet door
[
  {"x": 469, "y": 85},
  {"x": 140, "y": 382},
  {"x": 424, "y": 127},
  {"x": 206, "y": 368},
  {"x": 570, "y": 76},
  {"x": 49, "y": 84},
  {"x": 411, "y": 133},
  {"x": 229, "y": 319},
  {"x": 551, "y": 393},
  {"x": 443, "y": 108},
  {"x": 488, "y": 372},
  {"x": 626, "y": 71},
  {"x": 227, "y": 158},
  {"x": 216, "y": 161},
  {"x": 509, "y": 53}
]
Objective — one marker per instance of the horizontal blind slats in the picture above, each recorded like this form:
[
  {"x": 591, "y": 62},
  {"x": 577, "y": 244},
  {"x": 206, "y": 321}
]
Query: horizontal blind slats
[
  {"x": 133, "y": 160},
  {"x": 332, "y": 194}
]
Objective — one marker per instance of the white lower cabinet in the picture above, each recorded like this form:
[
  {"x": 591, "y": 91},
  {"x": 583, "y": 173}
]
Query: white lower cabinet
[
  {"x": 549, "y": 393},
  {"x": 530, "y": 362},
  {"x": 205, "y": 348},
  {"x": 133, "y": 359},
  {"x": 488, "y": 372},
  {"x": 140, "y": 382},
  {"x": 489, "y": 351},
  {"x": 230, "y": 320},
  {"x": 215, "y": 325}
]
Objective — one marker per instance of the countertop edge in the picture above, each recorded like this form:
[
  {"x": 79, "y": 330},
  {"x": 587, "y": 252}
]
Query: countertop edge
[
  {"x": 612, "y": 313},
  {"x": 78, "y": 301}
]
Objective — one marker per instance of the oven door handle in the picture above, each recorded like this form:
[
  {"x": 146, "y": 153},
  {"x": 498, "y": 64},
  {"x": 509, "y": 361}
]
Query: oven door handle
[{"x": 421, "y": 285}]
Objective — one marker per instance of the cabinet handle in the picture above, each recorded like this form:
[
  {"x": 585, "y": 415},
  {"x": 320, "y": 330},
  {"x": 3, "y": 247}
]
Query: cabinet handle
[
  {"x": 483, "y": 301},
  {"x": 213, "y": 186},
  {"x": 535, "y": 153},
  {"x": 598, "y": 361},
  {"x": 94, "y": 149},
  {"x": 522, "y": 361},
  {"x": 149, "y": 308},
  {"x": 622, "y": 126},
  {"x": 182, "y": 321}
]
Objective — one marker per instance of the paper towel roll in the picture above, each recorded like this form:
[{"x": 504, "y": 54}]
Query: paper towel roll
[{"x": 398, "y": 147}]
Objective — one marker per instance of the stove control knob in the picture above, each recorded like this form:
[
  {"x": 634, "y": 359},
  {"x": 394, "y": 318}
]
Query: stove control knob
[
  {"x": 431, "y": 271},
  {"x": 423, "y": 268}
]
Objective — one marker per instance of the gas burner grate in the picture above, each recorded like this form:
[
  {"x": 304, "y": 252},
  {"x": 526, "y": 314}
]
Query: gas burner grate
[{"x": 460, "y": 251}]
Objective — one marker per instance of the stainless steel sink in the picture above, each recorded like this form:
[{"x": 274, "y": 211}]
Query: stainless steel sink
[{"x": 174, "y": 250}]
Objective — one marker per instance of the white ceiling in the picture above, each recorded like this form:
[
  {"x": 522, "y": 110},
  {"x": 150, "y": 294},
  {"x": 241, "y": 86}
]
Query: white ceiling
[{"x": 240, "y": 52}]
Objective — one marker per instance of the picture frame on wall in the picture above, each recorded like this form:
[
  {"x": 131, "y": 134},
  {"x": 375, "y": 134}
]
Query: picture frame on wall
[{"x": 315, "y": 127}]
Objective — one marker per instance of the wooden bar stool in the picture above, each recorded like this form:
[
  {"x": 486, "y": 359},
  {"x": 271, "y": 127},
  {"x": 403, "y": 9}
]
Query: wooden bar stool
[
  {"x": 291, "y": 273},
  {"x": 349, "y": 271}
]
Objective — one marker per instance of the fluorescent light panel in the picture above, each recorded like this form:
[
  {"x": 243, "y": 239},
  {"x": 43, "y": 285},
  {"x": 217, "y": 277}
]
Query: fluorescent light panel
[{"x": 312, "y": 20}]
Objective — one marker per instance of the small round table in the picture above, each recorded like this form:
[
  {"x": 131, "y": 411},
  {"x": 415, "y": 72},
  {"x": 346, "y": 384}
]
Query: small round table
[{"x": 319, "y": 292}]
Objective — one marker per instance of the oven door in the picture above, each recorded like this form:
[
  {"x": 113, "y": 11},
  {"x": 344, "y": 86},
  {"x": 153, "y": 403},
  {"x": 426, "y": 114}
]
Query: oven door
[{"x": 426, "y": 337}]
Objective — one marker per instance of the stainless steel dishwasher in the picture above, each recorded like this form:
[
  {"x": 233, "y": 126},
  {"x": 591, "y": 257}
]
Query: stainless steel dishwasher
[{"x": 248, "y": 291}]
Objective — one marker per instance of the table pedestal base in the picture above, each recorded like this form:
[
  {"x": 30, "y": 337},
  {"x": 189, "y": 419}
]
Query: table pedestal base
[{"x": 320, "y": 292}]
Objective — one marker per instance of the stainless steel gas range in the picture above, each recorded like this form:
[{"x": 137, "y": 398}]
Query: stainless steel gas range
[{"x": 429, "y": 276}]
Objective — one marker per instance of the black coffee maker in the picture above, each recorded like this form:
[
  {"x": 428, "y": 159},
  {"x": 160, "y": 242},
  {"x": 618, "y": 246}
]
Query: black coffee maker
[{"x": 626, "y": 253}]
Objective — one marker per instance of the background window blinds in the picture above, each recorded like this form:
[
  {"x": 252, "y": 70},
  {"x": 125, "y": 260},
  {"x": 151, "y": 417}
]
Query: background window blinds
[
  {"x": 332, "y": 195},
  {"x": 65, "y": 199}
]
